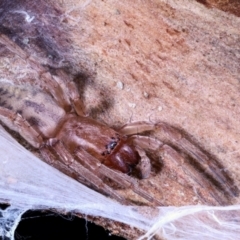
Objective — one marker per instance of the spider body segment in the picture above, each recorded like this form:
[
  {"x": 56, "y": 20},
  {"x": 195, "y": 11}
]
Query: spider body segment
[{"x": 90, "y": 151}]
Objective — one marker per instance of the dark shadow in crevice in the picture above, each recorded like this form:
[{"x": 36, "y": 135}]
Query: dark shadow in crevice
[{"x": 49, "y": 225}]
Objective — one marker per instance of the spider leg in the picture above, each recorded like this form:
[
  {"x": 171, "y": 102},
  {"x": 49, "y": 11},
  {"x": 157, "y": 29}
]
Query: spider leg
[
  {"x": 211, "y": 168},
  {"x": 68, "y": 164},
  {"x": 64, "y": 91},
  {"x": 204, "y": 169},
  {"x": 124, "y": 180},
  {"x": 16, "y": 122},
  {"x": 73, "y": 93},
  {"x": 144, "y": 166},
  {"x": 62, "y": 88},
  {"x": 206, "y": 163},
  {"x": 146, "y": 142},
  {"x": 55, "y": 88},
  {"x": 195, "y": 180},
  {"x": 172, "y": 161},
  {"x": 136, "y": 127},
  {"x": 176, "y": 163},
  {"x": 143, "y": 143},
  {"x": 50, "y": 158}
]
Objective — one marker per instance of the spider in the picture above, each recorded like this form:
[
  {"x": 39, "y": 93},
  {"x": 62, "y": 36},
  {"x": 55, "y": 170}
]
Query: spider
[{"x": 52, "y": 120}]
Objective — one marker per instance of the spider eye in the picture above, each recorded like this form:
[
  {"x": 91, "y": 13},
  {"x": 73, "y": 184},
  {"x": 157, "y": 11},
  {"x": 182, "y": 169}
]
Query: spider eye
[{"x": 112, "y": 145}]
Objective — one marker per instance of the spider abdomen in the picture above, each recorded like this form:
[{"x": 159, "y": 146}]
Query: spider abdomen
[{"x": 38, "y": 108}]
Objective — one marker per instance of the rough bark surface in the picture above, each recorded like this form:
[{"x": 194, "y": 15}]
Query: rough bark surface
[
  {"x": 170, "y": 61},
  {"x": 167, "y": 61}
]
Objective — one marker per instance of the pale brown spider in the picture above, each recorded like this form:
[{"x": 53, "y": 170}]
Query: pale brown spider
[
  {"x": 53, "y": 121},
  {"x": 51, "y": 118}
]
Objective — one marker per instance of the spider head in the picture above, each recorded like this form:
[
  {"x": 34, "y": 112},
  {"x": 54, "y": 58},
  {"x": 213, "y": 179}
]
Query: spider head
[{"x": 123, "y": 156}]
